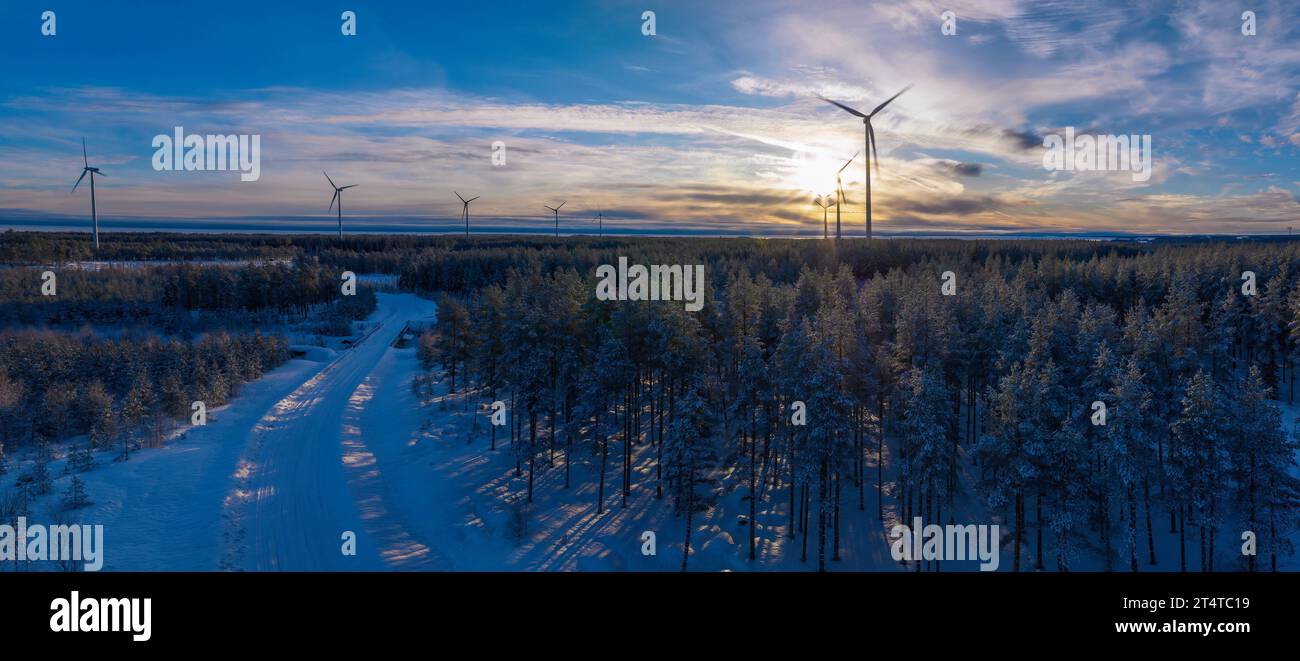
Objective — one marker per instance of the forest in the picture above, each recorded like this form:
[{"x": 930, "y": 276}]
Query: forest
[
  {"x": 1117, "y": 405},
  {"x": 1188, "y": 346},
  {"x": 118, "y": 353}
]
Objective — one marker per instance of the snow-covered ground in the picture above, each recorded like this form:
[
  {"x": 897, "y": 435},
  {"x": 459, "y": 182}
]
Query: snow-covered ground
[
  {"x": 261, "y": 486},
  {"x": 337, "y": 442},
  {"x": 161, "y": 510}
]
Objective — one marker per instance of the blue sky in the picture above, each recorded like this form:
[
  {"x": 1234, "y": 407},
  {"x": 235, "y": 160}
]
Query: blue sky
[{"x": 711, "y": 125}]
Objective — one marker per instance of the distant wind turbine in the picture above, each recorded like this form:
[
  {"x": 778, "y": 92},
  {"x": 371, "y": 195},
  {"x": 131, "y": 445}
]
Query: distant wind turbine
[
  {"x": 465, "y": 211},
  {"x": 338, "y": 196},
  {"x": 825, "y": 203},
  {"x": 94, "y": 217},
  {"x": 839, "y": 194},
  {"x": 600, "y": 218},
  {"x": 556, "y": 211},
  {"x": 869, "y": 141}
]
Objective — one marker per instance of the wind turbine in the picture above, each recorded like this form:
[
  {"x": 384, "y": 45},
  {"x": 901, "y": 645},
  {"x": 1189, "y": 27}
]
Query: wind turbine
[
  {"x": 600, "y": 218},
  {"x": 824, "y": 202},
  {"x": 839, "y": 195},
  {"x": 869, "y": 140},
  {"x": 94, "y": 217},
  {"x": 338, "y": 195},
  {"x": 465, "y": 211},
  {"x": 556, "y": 211}
]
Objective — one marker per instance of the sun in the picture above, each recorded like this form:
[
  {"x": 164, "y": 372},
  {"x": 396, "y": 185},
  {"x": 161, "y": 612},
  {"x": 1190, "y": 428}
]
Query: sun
[{"x": 812, "y": 172}]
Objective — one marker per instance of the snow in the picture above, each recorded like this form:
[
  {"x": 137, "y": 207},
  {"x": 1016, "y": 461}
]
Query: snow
[
  {"x": 161, "y": 509},
  {"x": 337, "y": 441}
]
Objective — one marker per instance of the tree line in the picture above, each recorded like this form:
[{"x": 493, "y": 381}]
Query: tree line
[
  {"x": 182, "y": 298},
  {"x": 121, "y": 393}
]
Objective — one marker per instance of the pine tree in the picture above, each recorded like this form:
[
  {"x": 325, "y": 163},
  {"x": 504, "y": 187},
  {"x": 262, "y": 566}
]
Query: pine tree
[
  {"x": 1007, "y": 451},
  {"x": 41, "y": 481},
  {"x": 923, "y": 411},
  {"x": 138, "y": 400},
  {"x": 1128, "y": 451},
  {"x": 1198, "y": 462},
  {"x": 76, "y": 496},
  {"x": 1064, "y": 483},
  {"x": 689, "y": 456},
  {"x": 81, "y": 459},
  {"x": 1266, "y": 488}
]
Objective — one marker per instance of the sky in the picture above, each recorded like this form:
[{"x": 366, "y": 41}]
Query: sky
[{"x": 711, "y": 125}]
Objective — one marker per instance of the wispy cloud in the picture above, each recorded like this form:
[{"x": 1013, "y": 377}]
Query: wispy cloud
[{"x": 962, "y": 149}]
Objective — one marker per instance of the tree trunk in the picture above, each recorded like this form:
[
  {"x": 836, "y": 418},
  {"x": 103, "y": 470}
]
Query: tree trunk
[
  {"x": 821, "y": 515},
  {"x": 804, "y": 556},
  {"x": 753, "y": 495},
  {"x": 835, "y": 544},
  {"x": 532, "y": 450},
  {"x": 1038, "y": 525},
  {"x": 1132, "y": 530},
  {"x": 1151, "y": 539},
  {"x": 1020, "y": 524},
  {"x": 880, "y": 459},
  {"x": 604, "y": 459},
  {"x": 690, "y": 514}
]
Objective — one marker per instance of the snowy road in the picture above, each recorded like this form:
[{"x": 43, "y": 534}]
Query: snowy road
[{"x": 307, "y": 476}]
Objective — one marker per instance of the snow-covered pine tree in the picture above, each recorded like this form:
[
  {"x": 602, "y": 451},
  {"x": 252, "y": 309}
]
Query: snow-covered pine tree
[
  {"x": 922, "y": 408},
  {"x": 1128, "y": 450},
  {"x": 41, "y": 481},
  {"x": 1003, "y": 452},
  {"x": 689, "y": 455},
  {"x": 139, "y": 399},
  {"x": 76, "y": 497},
  {"x": 1222, "y": 333},
  {"x": 1064, "y": 485},
  {"x": 1266, "y": 489},
  {"x": 488, "y": 324},
  {"x": 605, "y": 379},
  {"x": 829, "y": 443},
  {"x": 81, "y": 459},
  {"x": 1198, "y": 462}
]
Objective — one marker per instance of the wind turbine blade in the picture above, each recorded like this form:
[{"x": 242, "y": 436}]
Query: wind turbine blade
[
  {"x": 336, "y": 196},
  {"x": 875, "y": 156},
  {"x": 846, "y": 163},
  {"x": 84, "y": 158},
  {"x": 348, "y": 186},
  {"x": 472, "y": 199},
  {"x": 83, "y": 176},
  {"x": 888, "y": 101},
  {"x": 561, "y": 205},
  {"x": 842, "y": 106},
  {"x": 459, "y": 197},
  {"x": 327, "y": 177}
]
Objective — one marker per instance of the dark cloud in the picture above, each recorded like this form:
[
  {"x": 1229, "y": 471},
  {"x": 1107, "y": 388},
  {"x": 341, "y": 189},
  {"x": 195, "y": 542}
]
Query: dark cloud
[
  {"x": 960, "y": 169},
  {"x": 951, "y": 205},
  {"x": 1022, "y": 140}
]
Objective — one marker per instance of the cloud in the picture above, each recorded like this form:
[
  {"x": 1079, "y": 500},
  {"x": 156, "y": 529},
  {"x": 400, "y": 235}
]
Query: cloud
[{"x": 961, "y": 149}]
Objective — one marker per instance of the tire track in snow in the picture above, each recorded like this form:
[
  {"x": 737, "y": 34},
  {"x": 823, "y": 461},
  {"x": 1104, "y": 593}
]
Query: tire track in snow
[
  {"x": 290, "y": 499},
  {"x": 397, "y": 547}
]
